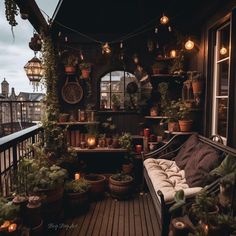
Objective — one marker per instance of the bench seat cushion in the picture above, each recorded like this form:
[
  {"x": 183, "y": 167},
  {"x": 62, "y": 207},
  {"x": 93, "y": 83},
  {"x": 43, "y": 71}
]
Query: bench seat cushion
[{"x": 167, "y": 177}]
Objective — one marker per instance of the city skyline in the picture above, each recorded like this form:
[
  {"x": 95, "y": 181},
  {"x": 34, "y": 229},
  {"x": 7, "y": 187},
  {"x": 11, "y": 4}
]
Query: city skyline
[{"x": 15, "y": 52}]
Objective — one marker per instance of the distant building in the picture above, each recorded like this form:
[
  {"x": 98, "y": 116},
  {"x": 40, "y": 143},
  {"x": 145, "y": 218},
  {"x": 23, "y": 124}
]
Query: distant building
[{"x": 18, "y": 112}]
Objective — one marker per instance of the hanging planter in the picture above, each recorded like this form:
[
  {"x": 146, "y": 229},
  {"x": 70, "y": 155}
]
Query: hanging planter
[{"x": 85, "y": 70}]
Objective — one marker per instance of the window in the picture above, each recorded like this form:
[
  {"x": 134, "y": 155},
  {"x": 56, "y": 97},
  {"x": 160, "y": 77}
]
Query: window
[
  {"x": 221, "y": 81},
  {"x": 115, "y": 83}
]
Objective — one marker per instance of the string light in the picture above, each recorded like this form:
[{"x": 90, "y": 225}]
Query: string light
[
  {"x": 135, "y": 58},
  {"x": 189, "y": 45},
  {"x": 173, "y": 53},
  {"x": 156, "y": 30},
  {"x": 81, "y": 56},
  {"x": 121, "y": 45},
  {"x": 66, "y": 39},
  {"x": 164, "y": 20},
  {"x": 223, "y": 51},
  {"x": 169, "y": 28}
]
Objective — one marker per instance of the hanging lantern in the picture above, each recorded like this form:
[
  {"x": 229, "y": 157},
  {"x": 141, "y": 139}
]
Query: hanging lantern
[
  {"x": 164, "y": 20},
  {"x": 106, "y": 49},
  {"x": 34, "y": 71},
  {"x": 189, "y": 45},
  {"x": 135, "y": 58}
]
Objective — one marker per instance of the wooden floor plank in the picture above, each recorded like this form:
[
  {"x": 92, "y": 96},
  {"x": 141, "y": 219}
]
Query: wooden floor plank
[
  {"x": 121, "y": 218},
  {"x": 142, "y": 215},
  {"x": 137, "y": 219},
  {"x": 116, "y": 219},
  {"x": 106, "y": 217},
  {"x": 147, "y": 215},
  {"x": 109, "y": 217}
]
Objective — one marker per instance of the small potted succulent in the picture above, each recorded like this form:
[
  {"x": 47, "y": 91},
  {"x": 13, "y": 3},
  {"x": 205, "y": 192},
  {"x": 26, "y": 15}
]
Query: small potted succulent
[
  {"x": 70, "y": 63},
  {"x": 77, "y": 195},
  {"x": 121, "y": 185},
  {"x": 85, "y": 70}
]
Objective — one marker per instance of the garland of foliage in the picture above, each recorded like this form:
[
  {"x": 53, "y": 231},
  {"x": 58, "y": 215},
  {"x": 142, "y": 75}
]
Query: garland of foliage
[
  {"x": 54, "y": 136},
  {"x": 11, "y": 11}
]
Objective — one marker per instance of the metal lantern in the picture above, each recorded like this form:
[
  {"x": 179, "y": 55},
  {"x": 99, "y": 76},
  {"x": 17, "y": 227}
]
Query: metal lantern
[{"x": 34, "y": 71}]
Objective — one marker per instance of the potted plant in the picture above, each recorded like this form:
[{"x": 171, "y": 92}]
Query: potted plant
[
  {"x": 115, "y": 100},
  {"x": 163, "y": 90},
  {"x": 196, "y": 78},
  {"x": 171, "y": 111},
  {"x": 177, "y": 65},
  {"x": 125, "y": 142},
  {"x": 70, "y": 63},
  {"x": 85, "y": 70},
  {"x": 185, "y": 123},
  {"x": 121, "y": 185},
  {"x": 97, "y": 185},
  {"x": 63, "y": 117},
  {"x": 159, "y": 67},
  {"x": 77, "y": 195}
]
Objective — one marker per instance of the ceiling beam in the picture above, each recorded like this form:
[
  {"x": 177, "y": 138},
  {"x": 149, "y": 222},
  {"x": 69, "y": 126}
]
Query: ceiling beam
[{"x": 36, "y": 18}]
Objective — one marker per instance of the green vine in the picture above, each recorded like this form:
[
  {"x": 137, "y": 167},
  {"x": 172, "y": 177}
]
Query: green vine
[
  {"x": 11, "y": 11},
  {"x": 54, "y": 136}
]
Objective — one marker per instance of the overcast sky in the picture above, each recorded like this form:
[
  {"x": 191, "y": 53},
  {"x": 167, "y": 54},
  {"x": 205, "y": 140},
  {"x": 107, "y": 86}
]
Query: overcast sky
[{"x": 14, "y": 54}]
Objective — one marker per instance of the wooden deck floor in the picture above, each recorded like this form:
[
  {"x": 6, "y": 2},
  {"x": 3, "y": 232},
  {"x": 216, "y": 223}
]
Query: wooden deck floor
[{"x": 109, "y": 217}]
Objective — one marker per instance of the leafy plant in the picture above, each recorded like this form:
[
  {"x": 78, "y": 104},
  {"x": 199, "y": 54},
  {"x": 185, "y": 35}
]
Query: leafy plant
[
  {"x": 85, "y": 66},
  {"x": 126, "y": 141},
  {"x": 8, "y": 211},
  {"x": 194, "y": 75},
  {"x": 183, "y": 111},
  {"x": 77, "y": 186},
  {"x": 171, "y": 111},
  {"x": 163, "y": 90},
  {"x": 115, "y": 100},
  {"x": 121, "y": 177},
  {"x": 108, "y": 127},
  {"x": 180, "y": 201},
  {"x": 70, "y": 60}
]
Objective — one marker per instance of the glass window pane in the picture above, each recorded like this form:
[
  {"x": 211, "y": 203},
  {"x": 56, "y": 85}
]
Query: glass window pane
[
  {"x": 223, "y": 46},
  {"x": 105, "y": 101},
  {"x": 116, "y": 86},
  {"x": 106, "y": 77},
  {"x": 223, "y": 68},
  {"x": 105, "y": 86},
  {"x": 221, "y": 119}
]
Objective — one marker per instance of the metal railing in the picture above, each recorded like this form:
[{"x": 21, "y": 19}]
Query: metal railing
[
  {"x": 18, "y": 115},
  {"x": 13, "y": 147}
]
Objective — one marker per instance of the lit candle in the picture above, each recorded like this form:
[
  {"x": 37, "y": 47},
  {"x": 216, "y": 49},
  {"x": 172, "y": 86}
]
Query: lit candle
[
  {"x": 77, "y": 176},
  {"x": 5, "y": 225},
  {"x": 12, "y": 228},
  {"x": 91, "y": 141},
  {"x": 173, "y": 53}
]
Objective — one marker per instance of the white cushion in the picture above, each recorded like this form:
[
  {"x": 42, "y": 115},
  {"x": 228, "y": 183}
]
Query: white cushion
[{"x": 166, "y": 176}]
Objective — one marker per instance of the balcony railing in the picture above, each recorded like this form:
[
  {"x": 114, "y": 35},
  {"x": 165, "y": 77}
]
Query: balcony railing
[
  {"x": 18, "y": 115},
  {"x": 13, "y": 147}
]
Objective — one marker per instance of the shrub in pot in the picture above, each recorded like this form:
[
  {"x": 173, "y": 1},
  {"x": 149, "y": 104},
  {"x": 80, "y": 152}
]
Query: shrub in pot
[
  {"x": 121, "y": 185},
  {"x": 77, "y": 195},
  {"x": 70, "y": 63},
  {"x": 171, "y": 111},
  {"x": 115, "y": 100},
  {"x": 197, "y": 83},
  {"x": 85, "y": 70}
]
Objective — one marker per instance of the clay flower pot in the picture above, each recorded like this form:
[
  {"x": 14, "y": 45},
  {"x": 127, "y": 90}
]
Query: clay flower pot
[{"x": 185, "y": 125}]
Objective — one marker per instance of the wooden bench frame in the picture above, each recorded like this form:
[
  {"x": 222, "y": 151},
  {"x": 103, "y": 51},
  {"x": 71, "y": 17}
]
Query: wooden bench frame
[{"x": 169, "y": 151}]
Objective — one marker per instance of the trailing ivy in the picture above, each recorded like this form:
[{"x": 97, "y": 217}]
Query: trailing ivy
[
  {"x": 11, "y": 11},
  {"x": 54, "y": 136}
]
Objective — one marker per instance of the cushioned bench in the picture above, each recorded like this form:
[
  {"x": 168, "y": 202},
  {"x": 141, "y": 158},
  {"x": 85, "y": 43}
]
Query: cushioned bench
[{"x": 183, "y": 163}]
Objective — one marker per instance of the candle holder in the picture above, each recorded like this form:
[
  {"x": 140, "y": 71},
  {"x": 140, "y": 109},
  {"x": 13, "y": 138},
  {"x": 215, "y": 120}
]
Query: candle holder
[{"x": 91, "y": 142}]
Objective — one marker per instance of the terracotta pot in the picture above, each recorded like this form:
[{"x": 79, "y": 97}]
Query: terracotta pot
[
  {"x": 97, "y": 185},
  {"x": 77, "y": 202},
  {"x": 173, "y": 126},
  {"x": 185, "y": 125},
  {"x": 127, "y": 168},
  {"x": 85, "y": 73},
  {"x": 121, "y": 189},
  {"x": 197, "y": 86},
  {"x": 70, "y": 70}
]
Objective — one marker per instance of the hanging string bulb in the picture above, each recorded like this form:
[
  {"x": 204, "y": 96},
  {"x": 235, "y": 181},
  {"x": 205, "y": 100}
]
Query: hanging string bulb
[
  {"x": 150, "y": 45},
  {"x": 223, "y": 50},
  {"x": 173, "y": 53},
  {"x": 157, "y": 45},
  {"x": 121, "y": 56},
  {"x": 189, "y": 45},
  {"x": 81, "y": 56},
  {"x": 164, "y": 20},
  {"x": 169, "y": 28},
  {"x": 156, "y": 30},
  {"x": 66, "y": 39},
  {"x": 135, "y": 58},
  {"x": 121, "y": 45},
  {"x": 59, "y": 34},
  {"x": 106, "y": 48}
]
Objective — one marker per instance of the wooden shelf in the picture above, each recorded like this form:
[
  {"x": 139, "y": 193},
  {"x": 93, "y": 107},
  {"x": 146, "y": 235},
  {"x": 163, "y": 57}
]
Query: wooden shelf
[
  {"x": 97, "y": 150},
  {"x": 162, "y": 75},
  {"x": 156, "y": 117},
  {"x": 79, "y": 123},
  {"x": 179, "y": 132}
]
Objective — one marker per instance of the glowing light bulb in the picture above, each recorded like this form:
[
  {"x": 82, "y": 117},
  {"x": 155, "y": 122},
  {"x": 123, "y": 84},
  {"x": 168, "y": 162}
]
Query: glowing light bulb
[
  {"x": 164, "y": 20},
  {"x": 106, "y": 48},
  {"x": 189, "y": 45},
  {"x": 173, "y": 53},
  {"x": 223, "y": 50}
]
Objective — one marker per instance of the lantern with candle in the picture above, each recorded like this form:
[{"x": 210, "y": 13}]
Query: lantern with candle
[{"x": 91, "y": 141}]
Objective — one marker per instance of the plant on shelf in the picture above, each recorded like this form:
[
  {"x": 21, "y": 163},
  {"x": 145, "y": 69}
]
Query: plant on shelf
[
  {"x": 85, "y": 69},
  {"x": 159, "y": 67},
  {"x": 184, "y": 115},
  {"x": 171, "y": 111},
  {"x": 163, "y": 90},
  {"x": 177, "y": 66},
  {"x": 115, "y": 101},
  {"x": 197, "y": 81},
  {"x": 70, "y": 61}
]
